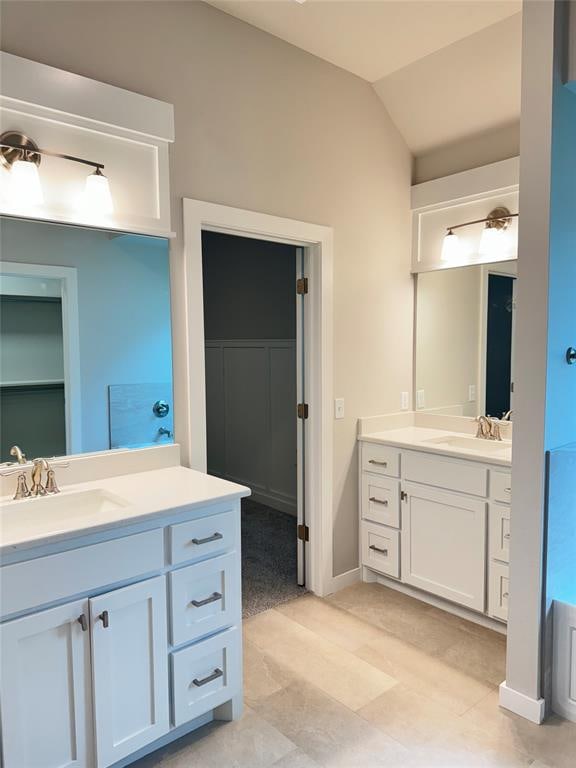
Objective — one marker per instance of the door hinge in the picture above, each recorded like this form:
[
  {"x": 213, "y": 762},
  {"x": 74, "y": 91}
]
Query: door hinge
[
  {"x": 303, "y": 533},
  {"x": 302, "y": 410},
  {"x": 403, "y": 496},
  {"x": 302, "y": 286}
]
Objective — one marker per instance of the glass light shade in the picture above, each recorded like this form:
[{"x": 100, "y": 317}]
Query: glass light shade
[
  {"x": 451, "y": 250},
  {"x": 492, "y": 242},
  {"x": 97, "y": 199},
  {"x": 25, "y": 184}
]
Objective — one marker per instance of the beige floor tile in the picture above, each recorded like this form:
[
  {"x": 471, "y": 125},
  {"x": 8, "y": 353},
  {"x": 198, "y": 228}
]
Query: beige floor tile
[
  {"x": 425, "y": 673},
  {"x": 329, "y": 732},
  {"x": 331, "y": 622},
  {"x": 480, "y": 656},
  {"x": 296, "y": 759},
  {"x": 337, "y": 672},
  {"x": 250, "y": 742},
  {"x": 262, "y": 675},
  {"x": 553, "y": 743}
]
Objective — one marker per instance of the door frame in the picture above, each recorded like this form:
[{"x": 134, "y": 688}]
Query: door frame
[
  {"x": 317, "y": 242},
  {"x": 68, "y": 277}
]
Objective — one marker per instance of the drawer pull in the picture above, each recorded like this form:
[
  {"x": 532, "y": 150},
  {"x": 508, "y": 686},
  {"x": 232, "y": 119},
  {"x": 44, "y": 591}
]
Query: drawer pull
[
  {"x": 507, "y": 536},
  {"x": 379, "y": 463},
  {"x": 105, "y": 619},
  {"x": 208, "y": 539},
  {"x": 384, "y": 502},
  {"x": 377, "y": 549},
  {"x": 507, "y": 490},
  {"x": 212, "y": 599},
  {"x": 83, "y": 622},
  {"x": 505, "y": 595},
  {"x": 214, "y": 676}
]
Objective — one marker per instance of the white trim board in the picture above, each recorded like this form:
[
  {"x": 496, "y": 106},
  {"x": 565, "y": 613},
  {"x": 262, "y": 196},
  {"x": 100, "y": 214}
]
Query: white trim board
[
  {"x": 317, "y": 242},
  {"x": 520, "y": 704},
  {"x": 68, "y": 277}
]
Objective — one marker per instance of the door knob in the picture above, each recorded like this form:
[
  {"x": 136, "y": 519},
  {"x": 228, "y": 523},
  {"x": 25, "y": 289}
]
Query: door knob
[{"x": 571, "y": 355}]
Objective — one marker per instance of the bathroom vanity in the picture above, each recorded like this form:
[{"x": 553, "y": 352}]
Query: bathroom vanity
[
  {"x": 435, "y": 511},
  {"x": 121, "y": 616}
]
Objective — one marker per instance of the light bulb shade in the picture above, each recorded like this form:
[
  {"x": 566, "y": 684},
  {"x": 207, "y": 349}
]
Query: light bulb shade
[
  {"x": 25, "y": 184},
  {"x": 492, "y": 242},
  {"x": 451, "y": 250},
  {"x": 97, "y": 200}
]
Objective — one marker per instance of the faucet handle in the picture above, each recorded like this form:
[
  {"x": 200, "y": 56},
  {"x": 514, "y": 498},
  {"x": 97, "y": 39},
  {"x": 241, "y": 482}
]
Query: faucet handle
[{"x": 51, "y": 486}]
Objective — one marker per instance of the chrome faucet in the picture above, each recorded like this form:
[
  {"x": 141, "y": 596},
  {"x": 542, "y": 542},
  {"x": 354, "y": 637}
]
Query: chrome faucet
[
  {"x": 37, "y": 488},
  {"x": 488, "y": 428},
  {"x": 16, "y": 451}
]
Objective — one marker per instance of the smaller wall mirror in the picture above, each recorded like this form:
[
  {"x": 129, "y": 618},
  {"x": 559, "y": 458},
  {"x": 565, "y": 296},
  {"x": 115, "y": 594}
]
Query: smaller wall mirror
[
  {"x": 85, "y": 340},
  {"x": 464, "y": 340}
]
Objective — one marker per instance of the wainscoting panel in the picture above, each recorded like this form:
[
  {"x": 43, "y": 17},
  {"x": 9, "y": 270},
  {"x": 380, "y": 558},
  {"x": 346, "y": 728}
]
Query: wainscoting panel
[
  {"x": 251, "y": 416},
  {"x": 564, "y": 661}
]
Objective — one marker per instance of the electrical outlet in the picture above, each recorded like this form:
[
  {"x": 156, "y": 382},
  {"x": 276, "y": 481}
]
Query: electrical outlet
[
  {"x": 420, "y": 399},
  {"x": 404, "y": 401},
  {"x": 472, "y": 393},
  {"x": 339, "y": 408}
]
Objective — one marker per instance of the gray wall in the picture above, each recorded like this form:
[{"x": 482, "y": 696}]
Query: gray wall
[{"x": 265, "y": 126}]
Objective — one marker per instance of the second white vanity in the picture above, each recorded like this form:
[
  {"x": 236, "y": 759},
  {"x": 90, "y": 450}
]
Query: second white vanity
[
  {"x": 120, "y": 612},
  {"x": 435, "y": 510}
]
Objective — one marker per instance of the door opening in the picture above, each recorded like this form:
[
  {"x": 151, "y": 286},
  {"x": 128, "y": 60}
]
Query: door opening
[{"x": 254, "y": 320}]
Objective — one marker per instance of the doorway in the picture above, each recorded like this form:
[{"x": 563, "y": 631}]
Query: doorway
[{"x": 255, "y": 378}]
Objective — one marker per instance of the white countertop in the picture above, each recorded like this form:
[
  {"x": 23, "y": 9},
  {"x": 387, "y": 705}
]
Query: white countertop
[
  {"x": 418, "y": 438},
  {"x": 143, "y": 494}
]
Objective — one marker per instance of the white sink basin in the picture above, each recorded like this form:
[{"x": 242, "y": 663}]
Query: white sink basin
[
  {"x": 49, "y": 514},
  {"x": 475, "y": 444}
]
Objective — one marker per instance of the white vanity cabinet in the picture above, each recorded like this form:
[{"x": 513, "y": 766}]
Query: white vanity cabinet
[
  {"x": 149, "y": 650},
  {"x": 437, "y": 523}
]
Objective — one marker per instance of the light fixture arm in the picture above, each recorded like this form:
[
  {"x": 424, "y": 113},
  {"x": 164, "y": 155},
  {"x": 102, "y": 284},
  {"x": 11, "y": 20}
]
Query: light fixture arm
[
  {"x": 15, "y": 146},
  {"x": 499, "y": 218}
]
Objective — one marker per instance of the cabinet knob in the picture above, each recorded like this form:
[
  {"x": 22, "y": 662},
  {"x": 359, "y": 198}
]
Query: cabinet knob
[
  {"x": 105, "y": 619},
  {"x": 83, "y": 622}
]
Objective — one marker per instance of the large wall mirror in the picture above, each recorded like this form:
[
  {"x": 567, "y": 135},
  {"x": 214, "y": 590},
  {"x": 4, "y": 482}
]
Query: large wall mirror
[
  {"x": 464, "y": 340},
  {"x": 85, "y": 340}
]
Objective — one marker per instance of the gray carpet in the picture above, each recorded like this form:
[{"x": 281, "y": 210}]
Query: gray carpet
[{"x": 268, "y": 558}]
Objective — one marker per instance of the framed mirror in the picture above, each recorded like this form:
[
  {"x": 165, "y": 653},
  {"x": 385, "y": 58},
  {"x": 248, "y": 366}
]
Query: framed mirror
[
  {"x": 85, "y": 340},
  {"x": 464, "y": 339}
]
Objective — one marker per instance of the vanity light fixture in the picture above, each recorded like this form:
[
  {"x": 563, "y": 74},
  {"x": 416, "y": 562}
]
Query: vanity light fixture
[
  {"x": 22, "y": 156},
  {"x": 492, "y": 242}
]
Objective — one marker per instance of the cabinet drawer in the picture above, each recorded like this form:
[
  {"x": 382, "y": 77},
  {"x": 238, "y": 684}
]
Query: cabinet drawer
[
  {"x": 500, "y": 486},
  {"x": 202, "y": 537},
  {"x": 205, "y": 675},
  {"x": 498, "y": 591},
  {"x": 381, "y": 549},
  {"x": 47, "y": 579},
  {"x": 381, "y": 499},
  {"x": 499, "y": 532},
  {"x": 381, "y": 459},
  {"x": 452, "y": 474},
  {"x": 204, "y": 598}
]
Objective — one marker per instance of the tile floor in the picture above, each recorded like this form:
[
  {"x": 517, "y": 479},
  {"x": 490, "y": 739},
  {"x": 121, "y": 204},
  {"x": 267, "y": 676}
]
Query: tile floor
[{"x": 370, "y": 678}]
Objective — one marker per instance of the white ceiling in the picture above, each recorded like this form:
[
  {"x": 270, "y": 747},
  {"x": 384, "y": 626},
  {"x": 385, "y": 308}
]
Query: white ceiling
[{"x": 444, "y": 69}]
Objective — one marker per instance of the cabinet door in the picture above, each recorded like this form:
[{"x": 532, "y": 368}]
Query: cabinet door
[
  {"x": 130, "y": 668},
  {"x": 45, "y": 689},
  {"x": 444, "y": 545}
]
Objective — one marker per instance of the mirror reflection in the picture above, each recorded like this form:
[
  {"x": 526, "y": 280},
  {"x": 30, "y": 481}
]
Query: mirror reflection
[
  {"x": 85, "y": 340},
  {"x": 464, "y": 340}
]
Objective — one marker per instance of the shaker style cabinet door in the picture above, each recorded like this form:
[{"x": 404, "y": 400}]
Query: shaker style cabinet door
[
  {"x": 45, "y": 689},
  {"x": 130, "y": 669}
]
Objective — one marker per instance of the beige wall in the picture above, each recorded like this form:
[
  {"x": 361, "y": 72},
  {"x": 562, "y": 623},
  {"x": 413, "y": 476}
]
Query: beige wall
[{"x": 264, "y": 126}]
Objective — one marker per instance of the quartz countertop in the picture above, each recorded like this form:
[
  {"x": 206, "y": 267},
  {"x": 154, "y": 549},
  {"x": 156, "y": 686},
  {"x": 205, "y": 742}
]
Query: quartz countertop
[
  {"x": 132, "y": 498},
  {"x": 439, "y": 441}
]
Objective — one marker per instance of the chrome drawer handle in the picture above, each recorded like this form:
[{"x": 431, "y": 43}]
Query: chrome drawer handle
[
  {"x": 507, "y": 490},
  {"x": 379, "y": 463},
  {"x": 214, "y": 676},
  {"x": 505, "y": 595},
  {"x": 104, "y": 618},
  {"x": 83, "y": 622},
  {"x": 212, "y": 599},
  {"x": 377, "y": 549},
  {"x": 506, "y": 536},
  {"x": 378, "y": 501},
  {"x": 208, "y": 539}
]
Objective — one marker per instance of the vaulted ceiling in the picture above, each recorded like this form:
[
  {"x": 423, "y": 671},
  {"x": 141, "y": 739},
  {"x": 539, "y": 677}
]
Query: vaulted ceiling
[{"x": 445, "y": 69}]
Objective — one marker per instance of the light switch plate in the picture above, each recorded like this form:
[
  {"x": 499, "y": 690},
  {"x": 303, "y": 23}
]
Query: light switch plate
[
  {"x": 420, "y": 399},
  {"x": 339, "y": 408},
  {"x": 404, "y": 401}
]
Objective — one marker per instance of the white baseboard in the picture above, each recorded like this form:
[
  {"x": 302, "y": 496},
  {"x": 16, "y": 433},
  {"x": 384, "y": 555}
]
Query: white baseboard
[
  {"x": 531, "y": 709},
  {"x": 343, "y": 580}
]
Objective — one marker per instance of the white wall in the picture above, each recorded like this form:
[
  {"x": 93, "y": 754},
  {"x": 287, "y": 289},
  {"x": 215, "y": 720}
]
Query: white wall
[
  {"x": 265, "y": 126},
  {"x": 124, "y": 308}
]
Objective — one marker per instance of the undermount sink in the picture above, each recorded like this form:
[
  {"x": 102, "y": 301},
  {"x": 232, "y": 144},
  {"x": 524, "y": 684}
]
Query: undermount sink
[
  {"x": 49, "y": 513},
  {"x": 471, "y": 443}
]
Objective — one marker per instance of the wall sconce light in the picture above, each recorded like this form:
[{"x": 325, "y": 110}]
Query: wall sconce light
[
  {"x": 22, "y": 157},
  {"x": 492, "y": 242}
]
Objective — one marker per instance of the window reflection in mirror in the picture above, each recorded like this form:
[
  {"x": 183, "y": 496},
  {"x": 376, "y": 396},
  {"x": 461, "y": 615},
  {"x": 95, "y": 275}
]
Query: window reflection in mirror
[
  {"x": 464, "y": 340},
  {"x": 85, "y": 340}
]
